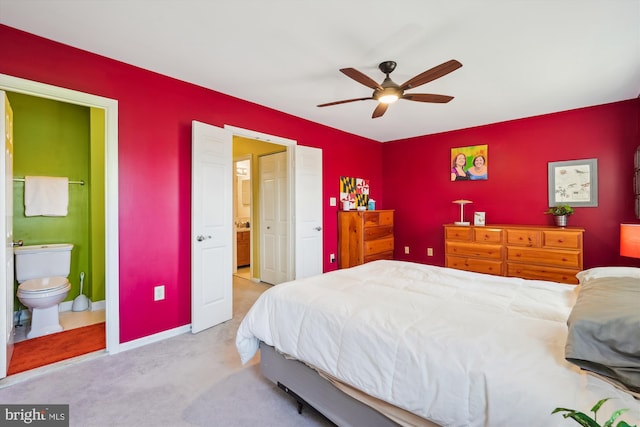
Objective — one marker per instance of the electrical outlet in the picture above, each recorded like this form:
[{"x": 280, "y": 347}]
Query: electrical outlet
[
  {"x": 332, "y": 258},
  {"x": 406, "y": 249},
  {"x": 429, "y": 251},
  {"x": 332, "y": 201},
  {"x": 158, "y": 293}
]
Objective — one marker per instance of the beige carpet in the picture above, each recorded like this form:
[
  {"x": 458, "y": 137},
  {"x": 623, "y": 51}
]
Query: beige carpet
[{"x": 188, "y": 380}]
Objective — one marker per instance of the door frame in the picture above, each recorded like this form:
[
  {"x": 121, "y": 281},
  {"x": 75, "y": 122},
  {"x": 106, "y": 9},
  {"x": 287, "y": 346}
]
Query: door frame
[
  {"x": 290, "y": 145},
  {"x": 112, "y": 265}
]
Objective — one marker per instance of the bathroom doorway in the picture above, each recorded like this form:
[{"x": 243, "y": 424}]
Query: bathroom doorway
[
  {"x": 107, "y": 168},
  {"x": 242, "y": 214}
]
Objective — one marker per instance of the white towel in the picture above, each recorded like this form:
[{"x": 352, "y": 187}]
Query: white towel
[{"x": 46, "y": 196}]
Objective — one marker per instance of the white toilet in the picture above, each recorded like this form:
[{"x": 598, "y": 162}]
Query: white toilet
[{"x": 42, "y": 271}]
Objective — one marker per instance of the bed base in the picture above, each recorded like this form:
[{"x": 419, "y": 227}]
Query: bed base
[{"x": 309, "y": 388}]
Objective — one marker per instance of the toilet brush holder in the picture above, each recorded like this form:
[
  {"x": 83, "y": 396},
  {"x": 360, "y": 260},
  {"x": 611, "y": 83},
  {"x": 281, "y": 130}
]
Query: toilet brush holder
[{"x": 81, "y": 302}]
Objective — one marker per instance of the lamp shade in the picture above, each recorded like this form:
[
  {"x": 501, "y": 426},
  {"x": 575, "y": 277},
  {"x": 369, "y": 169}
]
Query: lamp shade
[{"x": 630, "y": 240}]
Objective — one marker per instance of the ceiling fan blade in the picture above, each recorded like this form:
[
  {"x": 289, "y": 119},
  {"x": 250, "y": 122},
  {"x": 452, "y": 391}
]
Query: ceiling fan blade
[
  {"x": 361, "y": 78},
  {"x": 432, "y": 74},
  {"x": 427, "y": 97},
  {"x": 344, "y": 101},
  {"x": 380, "y": 110}
]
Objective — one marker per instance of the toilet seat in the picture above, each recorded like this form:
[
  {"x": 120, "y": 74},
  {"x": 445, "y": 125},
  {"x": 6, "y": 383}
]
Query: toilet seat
[{"x": 46, "y": 285}]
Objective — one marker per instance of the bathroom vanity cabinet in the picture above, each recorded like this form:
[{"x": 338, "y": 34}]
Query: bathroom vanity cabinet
[{"x": 243, "y": 238}]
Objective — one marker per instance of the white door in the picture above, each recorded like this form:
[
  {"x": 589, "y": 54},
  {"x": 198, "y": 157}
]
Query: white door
[
  {"x": 274, "y": 218},
  {"x": 308, "y": 211},
  {"x": 6, "y": 226},
  {"x": 211, "y": 222}
]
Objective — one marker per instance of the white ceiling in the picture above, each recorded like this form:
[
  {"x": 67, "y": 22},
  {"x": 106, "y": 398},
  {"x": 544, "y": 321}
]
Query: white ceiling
[{"x": 520, "y": 57}]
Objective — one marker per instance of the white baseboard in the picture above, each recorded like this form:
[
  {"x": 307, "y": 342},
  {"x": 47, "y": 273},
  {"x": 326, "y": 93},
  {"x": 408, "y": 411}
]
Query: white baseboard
[
  {"x": 97, "y": 305},
  {"x": 154, "y": 338},
  {"x": 63, "y": 306}
]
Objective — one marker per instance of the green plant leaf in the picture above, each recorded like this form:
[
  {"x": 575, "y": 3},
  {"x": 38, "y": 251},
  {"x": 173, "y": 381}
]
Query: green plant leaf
[
  {"x": 562, "y": 410},
  {"x": 613, "y": 417},
  {"x": 597, "y": 406},
  {"x": 582, "y": 419}
]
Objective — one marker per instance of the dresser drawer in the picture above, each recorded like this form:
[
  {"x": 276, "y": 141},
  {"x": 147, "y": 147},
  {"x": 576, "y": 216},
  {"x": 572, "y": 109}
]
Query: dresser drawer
[
  {"x": 559, "y": 258},
  {"x": 459, "y": 233},
  {"x": 562, "y": 239},
  {"x": 542, "y": 273},
  {"x": 487, "y": 235},
  {"x": 474, "y": 250},
  {"x": 378, "y": 246},
  {"x": 473, "y": 264},
  {"x": 371, "y": 233},
  {"x": 529, "y": 238},
  {"x": 381, "y": 255},
  {"x": 375, "y": 218}
]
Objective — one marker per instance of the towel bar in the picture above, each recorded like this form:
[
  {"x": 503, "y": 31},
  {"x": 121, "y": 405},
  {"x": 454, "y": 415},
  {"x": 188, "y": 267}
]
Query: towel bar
[{"x": 70, "y": 182}]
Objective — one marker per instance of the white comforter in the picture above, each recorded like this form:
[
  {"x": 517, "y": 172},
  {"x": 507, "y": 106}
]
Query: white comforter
[{"x": 456, "y": 348}]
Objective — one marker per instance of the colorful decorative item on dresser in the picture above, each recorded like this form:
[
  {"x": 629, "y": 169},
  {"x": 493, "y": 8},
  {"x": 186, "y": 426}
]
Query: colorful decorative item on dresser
[
  {"x": 479, "y": 218},
  {"x": 354, "y": 193},
  {"x": 469, "y": 163}
]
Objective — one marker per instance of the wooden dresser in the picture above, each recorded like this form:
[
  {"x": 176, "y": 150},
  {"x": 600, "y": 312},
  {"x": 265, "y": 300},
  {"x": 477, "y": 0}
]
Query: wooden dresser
[
  {"x": 364, "y": 236},
  {"x": 243, "y": 247},
  {"x": 530, "y": 252}
]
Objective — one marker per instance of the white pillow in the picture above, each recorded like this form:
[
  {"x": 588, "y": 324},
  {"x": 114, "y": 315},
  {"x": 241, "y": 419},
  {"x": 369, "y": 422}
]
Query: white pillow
[{"x": 598, "y": 272}]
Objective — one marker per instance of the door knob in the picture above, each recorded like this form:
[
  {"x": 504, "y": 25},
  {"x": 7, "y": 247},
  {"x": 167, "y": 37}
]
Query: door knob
[
  {"x": 200, "y": 238},
  {"x": 18, "y": 243},
  {"x": 318, "y": 228}
]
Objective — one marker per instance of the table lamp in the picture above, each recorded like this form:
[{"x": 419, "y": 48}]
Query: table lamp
[
  {"x": 630, "y": 240},
  {"x": 462, "y": 202}
]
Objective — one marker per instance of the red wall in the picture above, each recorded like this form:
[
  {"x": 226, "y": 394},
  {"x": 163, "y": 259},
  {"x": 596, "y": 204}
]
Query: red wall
[
  {"x": 417, "y": 180},
  {"x": 155, "y": 114}
]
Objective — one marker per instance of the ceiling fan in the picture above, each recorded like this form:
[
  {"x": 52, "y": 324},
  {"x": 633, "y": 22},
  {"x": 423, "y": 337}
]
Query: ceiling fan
[{"x": 388, "y": 91}]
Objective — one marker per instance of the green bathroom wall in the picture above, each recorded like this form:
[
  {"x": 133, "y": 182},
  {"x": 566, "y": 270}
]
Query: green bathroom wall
[
  {"x": 53, "y": 138},
  {"x": 243, "y": 146}
]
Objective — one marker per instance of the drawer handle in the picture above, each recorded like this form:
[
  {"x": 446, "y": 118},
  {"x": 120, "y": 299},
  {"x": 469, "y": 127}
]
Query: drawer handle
[{"x": 560, "y": 241}]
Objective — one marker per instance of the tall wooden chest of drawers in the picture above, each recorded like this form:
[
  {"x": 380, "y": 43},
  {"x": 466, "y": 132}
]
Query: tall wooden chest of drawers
[
  {"x": 364, "y": 236},
  {"x": 530, "y": 252}
]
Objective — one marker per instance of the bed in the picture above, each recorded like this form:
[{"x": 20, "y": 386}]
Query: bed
[{"x": 423, "y": 345}]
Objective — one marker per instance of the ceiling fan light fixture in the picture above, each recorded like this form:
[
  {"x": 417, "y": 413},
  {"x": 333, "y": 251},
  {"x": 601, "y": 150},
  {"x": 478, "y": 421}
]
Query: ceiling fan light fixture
[
  {"x": 389, "y": 94},
  {"x": 388, "y": 98}
]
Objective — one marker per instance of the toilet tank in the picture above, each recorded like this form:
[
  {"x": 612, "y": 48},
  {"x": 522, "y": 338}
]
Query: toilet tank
[{"x": 38, "y": 261}]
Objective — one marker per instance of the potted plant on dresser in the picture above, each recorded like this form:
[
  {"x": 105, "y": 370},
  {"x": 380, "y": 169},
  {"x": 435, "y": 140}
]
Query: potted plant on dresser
[{"x": 560, "y": 214}]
